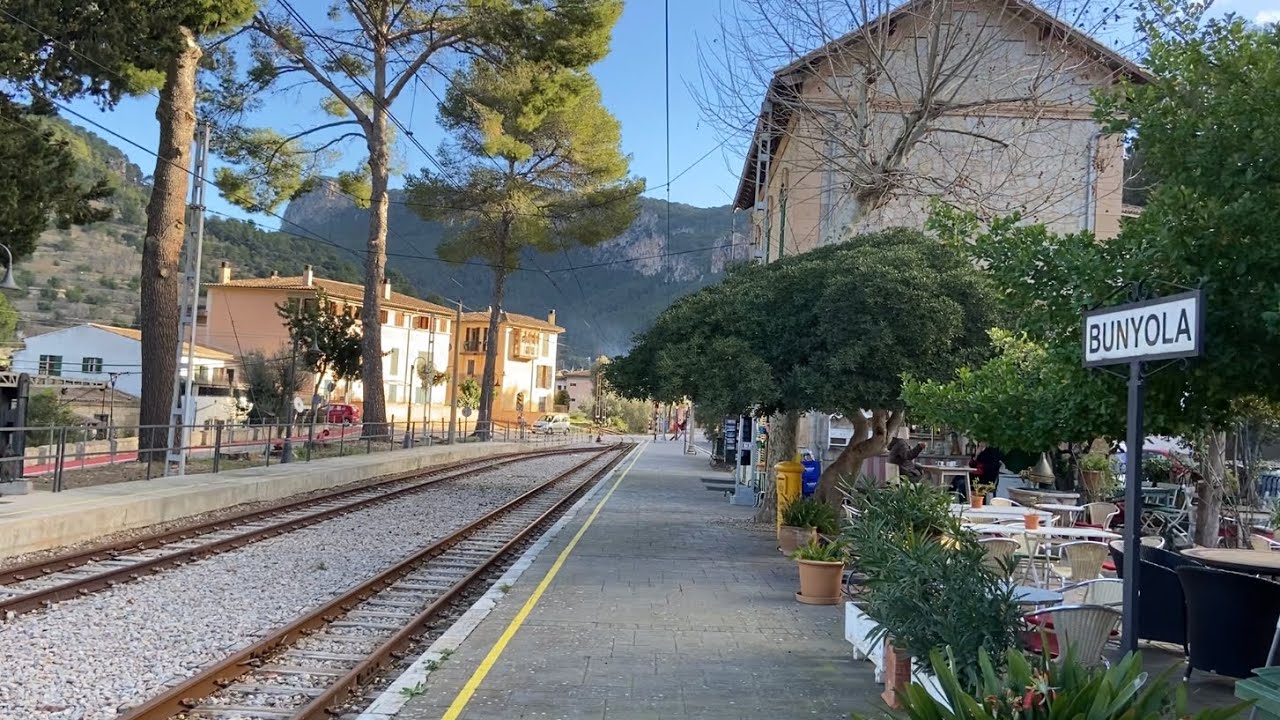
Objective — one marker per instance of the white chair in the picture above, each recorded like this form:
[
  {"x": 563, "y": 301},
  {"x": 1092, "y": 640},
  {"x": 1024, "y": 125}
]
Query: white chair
[
  {"x": 1080, "y": 560},
  {"x": 1004, "y": 502},
  {"x": 1000, "y": 554},
  {"x": 1101, "y": 514},
  {"x": 1154, "y": 541},
  {"x": 1085, "y": 629},
  {"x": 1108, "y": 592},
  {"x": 1261, "y": 543}
]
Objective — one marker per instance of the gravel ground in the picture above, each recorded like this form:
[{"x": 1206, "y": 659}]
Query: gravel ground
[{"x": 84, "y": 659}]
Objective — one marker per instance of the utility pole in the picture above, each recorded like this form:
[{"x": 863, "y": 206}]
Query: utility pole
[
  {"x": 453, "y": 395},
  {"x": 286, "y": 448},
  {"x": 182, "y": 408}
]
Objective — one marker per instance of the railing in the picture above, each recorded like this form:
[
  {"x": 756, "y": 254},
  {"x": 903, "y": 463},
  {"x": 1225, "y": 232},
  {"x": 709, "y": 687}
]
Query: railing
[
  {"x": 59, "y": 457},
  {"x": 474, "y": 346}
]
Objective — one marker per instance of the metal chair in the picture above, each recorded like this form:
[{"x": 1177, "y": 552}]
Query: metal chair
[
  {"x": 1000, "y": 554},
  {"x": 1173, "y": 521},
  {"x": 1080, "y": 560},
  {"x": 1261, "y": 542},
  {"x": 1100, "y": 514},
  {"x": 1085, "y": 629},
  {"x": 1107, "y": 592}
]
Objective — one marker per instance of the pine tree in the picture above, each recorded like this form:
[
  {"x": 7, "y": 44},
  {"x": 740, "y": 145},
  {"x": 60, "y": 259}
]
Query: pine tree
[{"x": 535, "y": 163}]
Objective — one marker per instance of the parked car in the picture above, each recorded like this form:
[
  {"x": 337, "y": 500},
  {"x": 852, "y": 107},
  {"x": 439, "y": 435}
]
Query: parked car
[
  {"x": 341, "y": 414},
  {"x": 550, "y": 424}
]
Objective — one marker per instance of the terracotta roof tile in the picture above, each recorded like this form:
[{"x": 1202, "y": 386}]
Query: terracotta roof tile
[
  {"x": 513, "y": 319},
  {"x": 337, "y": 289},
  {"x": 134, "y": 334}
]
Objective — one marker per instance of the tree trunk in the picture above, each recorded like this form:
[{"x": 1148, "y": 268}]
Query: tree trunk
[
  {"x": 1209, "y": 490},
  {"x": 870, "y": 437},
  {"x": 490, "y": 375},
  {"x": 782, "y": 446},
  {"x": 162, "y": 248},
  {"x": 375, "y": 262}
]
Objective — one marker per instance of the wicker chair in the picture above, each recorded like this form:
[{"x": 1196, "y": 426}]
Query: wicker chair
[
  {"x": 1080, "y": 561},
  {"x": 1107, "y": 592},
  {"x": 1100, "y": 515},
  {"x": 1085, "y": 629},
  {"x": 1001, "y": 553}
]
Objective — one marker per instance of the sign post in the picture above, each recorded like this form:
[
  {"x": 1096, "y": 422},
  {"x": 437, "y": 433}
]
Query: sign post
[{"x": 1157, "y": 329}]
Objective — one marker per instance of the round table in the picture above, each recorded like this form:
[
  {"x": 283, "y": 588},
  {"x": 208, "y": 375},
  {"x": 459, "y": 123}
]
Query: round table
[
  {"x": 1029, "y": 595},
  {"x": 1254, "y": 562},
  {"x": 1066, "y": 514}
]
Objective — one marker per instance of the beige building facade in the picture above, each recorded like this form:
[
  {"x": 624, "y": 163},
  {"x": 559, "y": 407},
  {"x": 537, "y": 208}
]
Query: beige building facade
[
  {"x": 848, "y": 141},
  {"x": 526, "y": 361}
]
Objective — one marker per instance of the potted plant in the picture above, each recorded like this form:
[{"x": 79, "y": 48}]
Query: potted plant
[
  {"x": 802, "y": 520},
  {"x": 979, "y": 492},
  {"x": 1095, "y": 469},
  {"x": 821, "y": 570},
  {"x": 1041, "y": 689}
]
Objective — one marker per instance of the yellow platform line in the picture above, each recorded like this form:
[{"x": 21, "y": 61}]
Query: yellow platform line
[{"x": 468, "y": 690}]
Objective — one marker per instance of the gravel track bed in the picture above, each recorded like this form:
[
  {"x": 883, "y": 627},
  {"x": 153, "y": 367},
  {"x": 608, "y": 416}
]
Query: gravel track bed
[
  {"x": 86, "y": 659},
  {"x": 198, "y": 519}
]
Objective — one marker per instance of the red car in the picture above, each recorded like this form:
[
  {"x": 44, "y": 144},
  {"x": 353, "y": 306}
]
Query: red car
[{"x": 341, "y": 414}]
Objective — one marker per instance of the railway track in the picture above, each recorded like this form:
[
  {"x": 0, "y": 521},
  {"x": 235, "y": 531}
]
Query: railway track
[
  {"x": 309, "y": 668},
  {"x": 40, "y": 584}
]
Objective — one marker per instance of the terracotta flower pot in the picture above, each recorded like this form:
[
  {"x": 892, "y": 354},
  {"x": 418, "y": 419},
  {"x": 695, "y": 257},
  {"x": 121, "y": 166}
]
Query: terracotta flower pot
[
  {"x": 820, "y": 582},
  {"x": 1092, "y": 482},
  {"x": 791, "y": 538},
  {"x": 976, "y": 500},
  {"x": 897, "y": 674},
  {"x": 1031, "y": 521}
]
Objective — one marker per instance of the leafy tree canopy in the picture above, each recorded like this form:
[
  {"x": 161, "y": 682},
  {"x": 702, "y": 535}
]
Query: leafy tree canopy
[{"x": 328, "y": 341}]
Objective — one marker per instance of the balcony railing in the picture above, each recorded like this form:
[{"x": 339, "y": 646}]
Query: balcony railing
[{"x": 474, "y": 346}]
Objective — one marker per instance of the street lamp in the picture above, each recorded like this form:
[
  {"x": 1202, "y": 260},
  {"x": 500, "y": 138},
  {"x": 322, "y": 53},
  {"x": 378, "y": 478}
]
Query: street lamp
[{"x": 8, "y": 282}]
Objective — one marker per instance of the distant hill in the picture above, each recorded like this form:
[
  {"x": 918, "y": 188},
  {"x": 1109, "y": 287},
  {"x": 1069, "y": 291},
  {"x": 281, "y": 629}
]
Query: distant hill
[
  {"x": 615, "y": 290},
  {"x": 91, "y": 273}
]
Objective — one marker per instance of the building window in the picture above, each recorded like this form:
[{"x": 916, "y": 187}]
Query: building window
[
  {"x": 391, "y": 392},
  {"x": 544, "y": 376},
  {"x": 51, "y": 365},
  {"x": 443, "y": 325},
  {"x": 393, "y": 362},
  {"x": 91, "y": 365},
  {"x": 471, "y": 368},
  {"x": 383, "y": 316},
  {"x": 422, "y": 322},
  {"x": 405, "y": 319},
  {"x": 546, "y": 344},
  {"x": 333, "y": 308}
]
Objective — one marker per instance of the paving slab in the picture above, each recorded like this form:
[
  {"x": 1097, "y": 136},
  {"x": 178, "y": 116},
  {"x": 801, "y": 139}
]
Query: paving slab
[
  {"x": 672, "y": 604},
  {"x": 47, "y": 520}
]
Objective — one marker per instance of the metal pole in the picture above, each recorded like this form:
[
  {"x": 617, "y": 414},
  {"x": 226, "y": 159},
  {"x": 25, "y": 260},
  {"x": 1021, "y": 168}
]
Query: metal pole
[
  {"x": 183, "y": 403},
  {"x": 286, "y": 449},
  {"x": 1133, "y": 507},
  {"x": 453, "y": 393},
  {"x": 217, "y": 448}
]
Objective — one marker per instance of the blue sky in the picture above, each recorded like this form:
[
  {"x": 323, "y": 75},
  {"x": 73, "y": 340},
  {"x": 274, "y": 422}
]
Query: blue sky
[{"x": 631, "y": 80}]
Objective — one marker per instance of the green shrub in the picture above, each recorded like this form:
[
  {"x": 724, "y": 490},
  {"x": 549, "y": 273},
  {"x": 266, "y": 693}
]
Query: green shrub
[
  {"x": 809, "y": 512},
  {"x": 927, "y": 583},
  {"x": 1043, "y": 689}
]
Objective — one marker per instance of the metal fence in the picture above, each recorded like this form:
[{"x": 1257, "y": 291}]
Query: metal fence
[{"x": 48, "y": 454}]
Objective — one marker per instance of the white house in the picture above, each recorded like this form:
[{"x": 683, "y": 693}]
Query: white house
[{"x": 114, "y": 355}]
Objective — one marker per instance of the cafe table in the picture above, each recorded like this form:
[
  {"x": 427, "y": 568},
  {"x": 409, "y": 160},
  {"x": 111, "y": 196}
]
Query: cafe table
[
  {"x": 1253, "y": 562},
  {"x": 1066, "y": 514},
  {"x": 999, "y": 513},
  {"x": 942, "y": 474},
  {"x": 1038, "y": 596}
]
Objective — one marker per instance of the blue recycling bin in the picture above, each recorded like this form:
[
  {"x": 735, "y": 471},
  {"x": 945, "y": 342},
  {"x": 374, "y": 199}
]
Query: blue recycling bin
[{"x": 809, "y": 478}]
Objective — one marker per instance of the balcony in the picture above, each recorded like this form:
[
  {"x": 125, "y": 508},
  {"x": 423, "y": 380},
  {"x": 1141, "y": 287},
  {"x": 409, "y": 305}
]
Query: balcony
[
  {"x": 474, "y": 346},
  {"x": 524, "y": 350}
]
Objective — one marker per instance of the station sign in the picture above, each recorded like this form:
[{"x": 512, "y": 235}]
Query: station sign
[{"x": 1158, "y": 329}]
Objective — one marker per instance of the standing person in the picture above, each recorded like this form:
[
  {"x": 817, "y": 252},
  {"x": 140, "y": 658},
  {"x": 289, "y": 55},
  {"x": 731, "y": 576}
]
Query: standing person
[
  {"x": 904, "y": 456},
  {"x": 679, "y": 430},
  {"x": 986, "y": 465}
]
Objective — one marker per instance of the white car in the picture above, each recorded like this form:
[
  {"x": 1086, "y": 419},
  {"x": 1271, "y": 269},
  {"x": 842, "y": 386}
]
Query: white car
[{"x": 550, "y": 424}]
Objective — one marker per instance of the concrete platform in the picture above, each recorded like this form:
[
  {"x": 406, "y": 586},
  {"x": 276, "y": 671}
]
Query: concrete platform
[
  {"x": 669, "y": 604},
  {"x": 45, "y": 520}
]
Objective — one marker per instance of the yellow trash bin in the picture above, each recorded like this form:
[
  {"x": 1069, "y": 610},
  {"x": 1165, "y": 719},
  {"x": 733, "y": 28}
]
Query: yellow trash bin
[{"x": 788, "y": 484}]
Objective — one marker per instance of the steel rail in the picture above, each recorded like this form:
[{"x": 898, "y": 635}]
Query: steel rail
[
  {"x": 114, "y": 576},
  {"x": 183, "y": 697}
]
